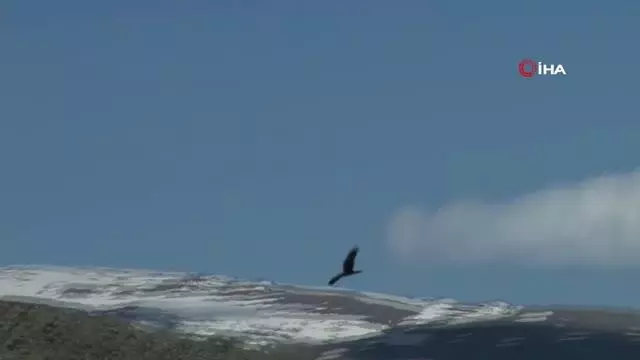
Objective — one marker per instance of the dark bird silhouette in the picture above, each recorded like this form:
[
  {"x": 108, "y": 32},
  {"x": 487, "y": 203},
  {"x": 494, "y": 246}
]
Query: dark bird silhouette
[{"x": 347, "y": 266}]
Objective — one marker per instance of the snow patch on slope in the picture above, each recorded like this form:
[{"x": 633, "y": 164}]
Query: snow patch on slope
[{"x": 262, "y": 311}]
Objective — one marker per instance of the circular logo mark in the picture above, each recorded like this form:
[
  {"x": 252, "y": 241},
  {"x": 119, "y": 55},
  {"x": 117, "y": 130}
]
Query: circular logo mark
[{"x": 527, "y": 68}]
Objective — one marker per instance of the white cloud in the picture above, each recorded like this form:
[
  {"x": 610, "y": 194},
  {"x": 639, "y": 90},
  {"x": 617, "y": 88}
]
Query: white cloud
[{"x": 592, "y": 223}]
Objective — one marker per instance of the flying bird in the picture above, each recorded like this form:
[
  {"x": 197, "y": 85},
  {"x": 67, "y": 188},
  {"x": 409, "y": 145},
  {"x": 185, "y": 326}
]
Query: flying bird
[{"x": 347, "y": 266}]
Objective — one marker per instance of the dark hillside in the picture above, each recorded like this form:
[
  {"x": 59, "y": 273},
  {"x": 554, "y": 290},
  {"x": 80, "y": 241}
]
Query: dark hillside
[{"x": 41, "y": 332}]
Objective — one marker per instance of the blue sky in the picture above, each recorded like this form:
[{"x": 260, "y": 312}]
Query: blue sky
[{"x": 264, "y": 139}]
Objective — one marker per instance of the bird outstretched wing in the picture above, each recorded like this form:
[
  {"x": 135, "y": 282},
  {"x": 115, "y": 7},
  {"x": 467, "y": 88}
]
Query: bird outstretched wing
[
  {"x": 335, "y": 279},
  {"x": 349, "y": 261}
]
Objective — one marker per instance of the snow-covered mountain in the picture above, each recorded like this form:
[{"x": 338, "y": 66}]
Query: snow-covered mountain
[{"x": 262, "y": 312}]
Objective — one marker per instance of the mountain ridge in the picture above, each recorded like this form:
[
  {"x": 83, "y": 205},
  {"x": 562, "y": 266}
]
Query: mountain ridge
[{"x": 343, "y": 322}]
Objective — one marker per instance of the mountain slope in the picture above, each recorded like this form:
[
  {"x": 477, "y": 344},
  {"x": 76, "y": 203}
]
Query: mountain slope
[
  {"x": 32, "y": 331},
  {"x": 207, "y": 305},
  {"x": 340, "y": 323}
]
